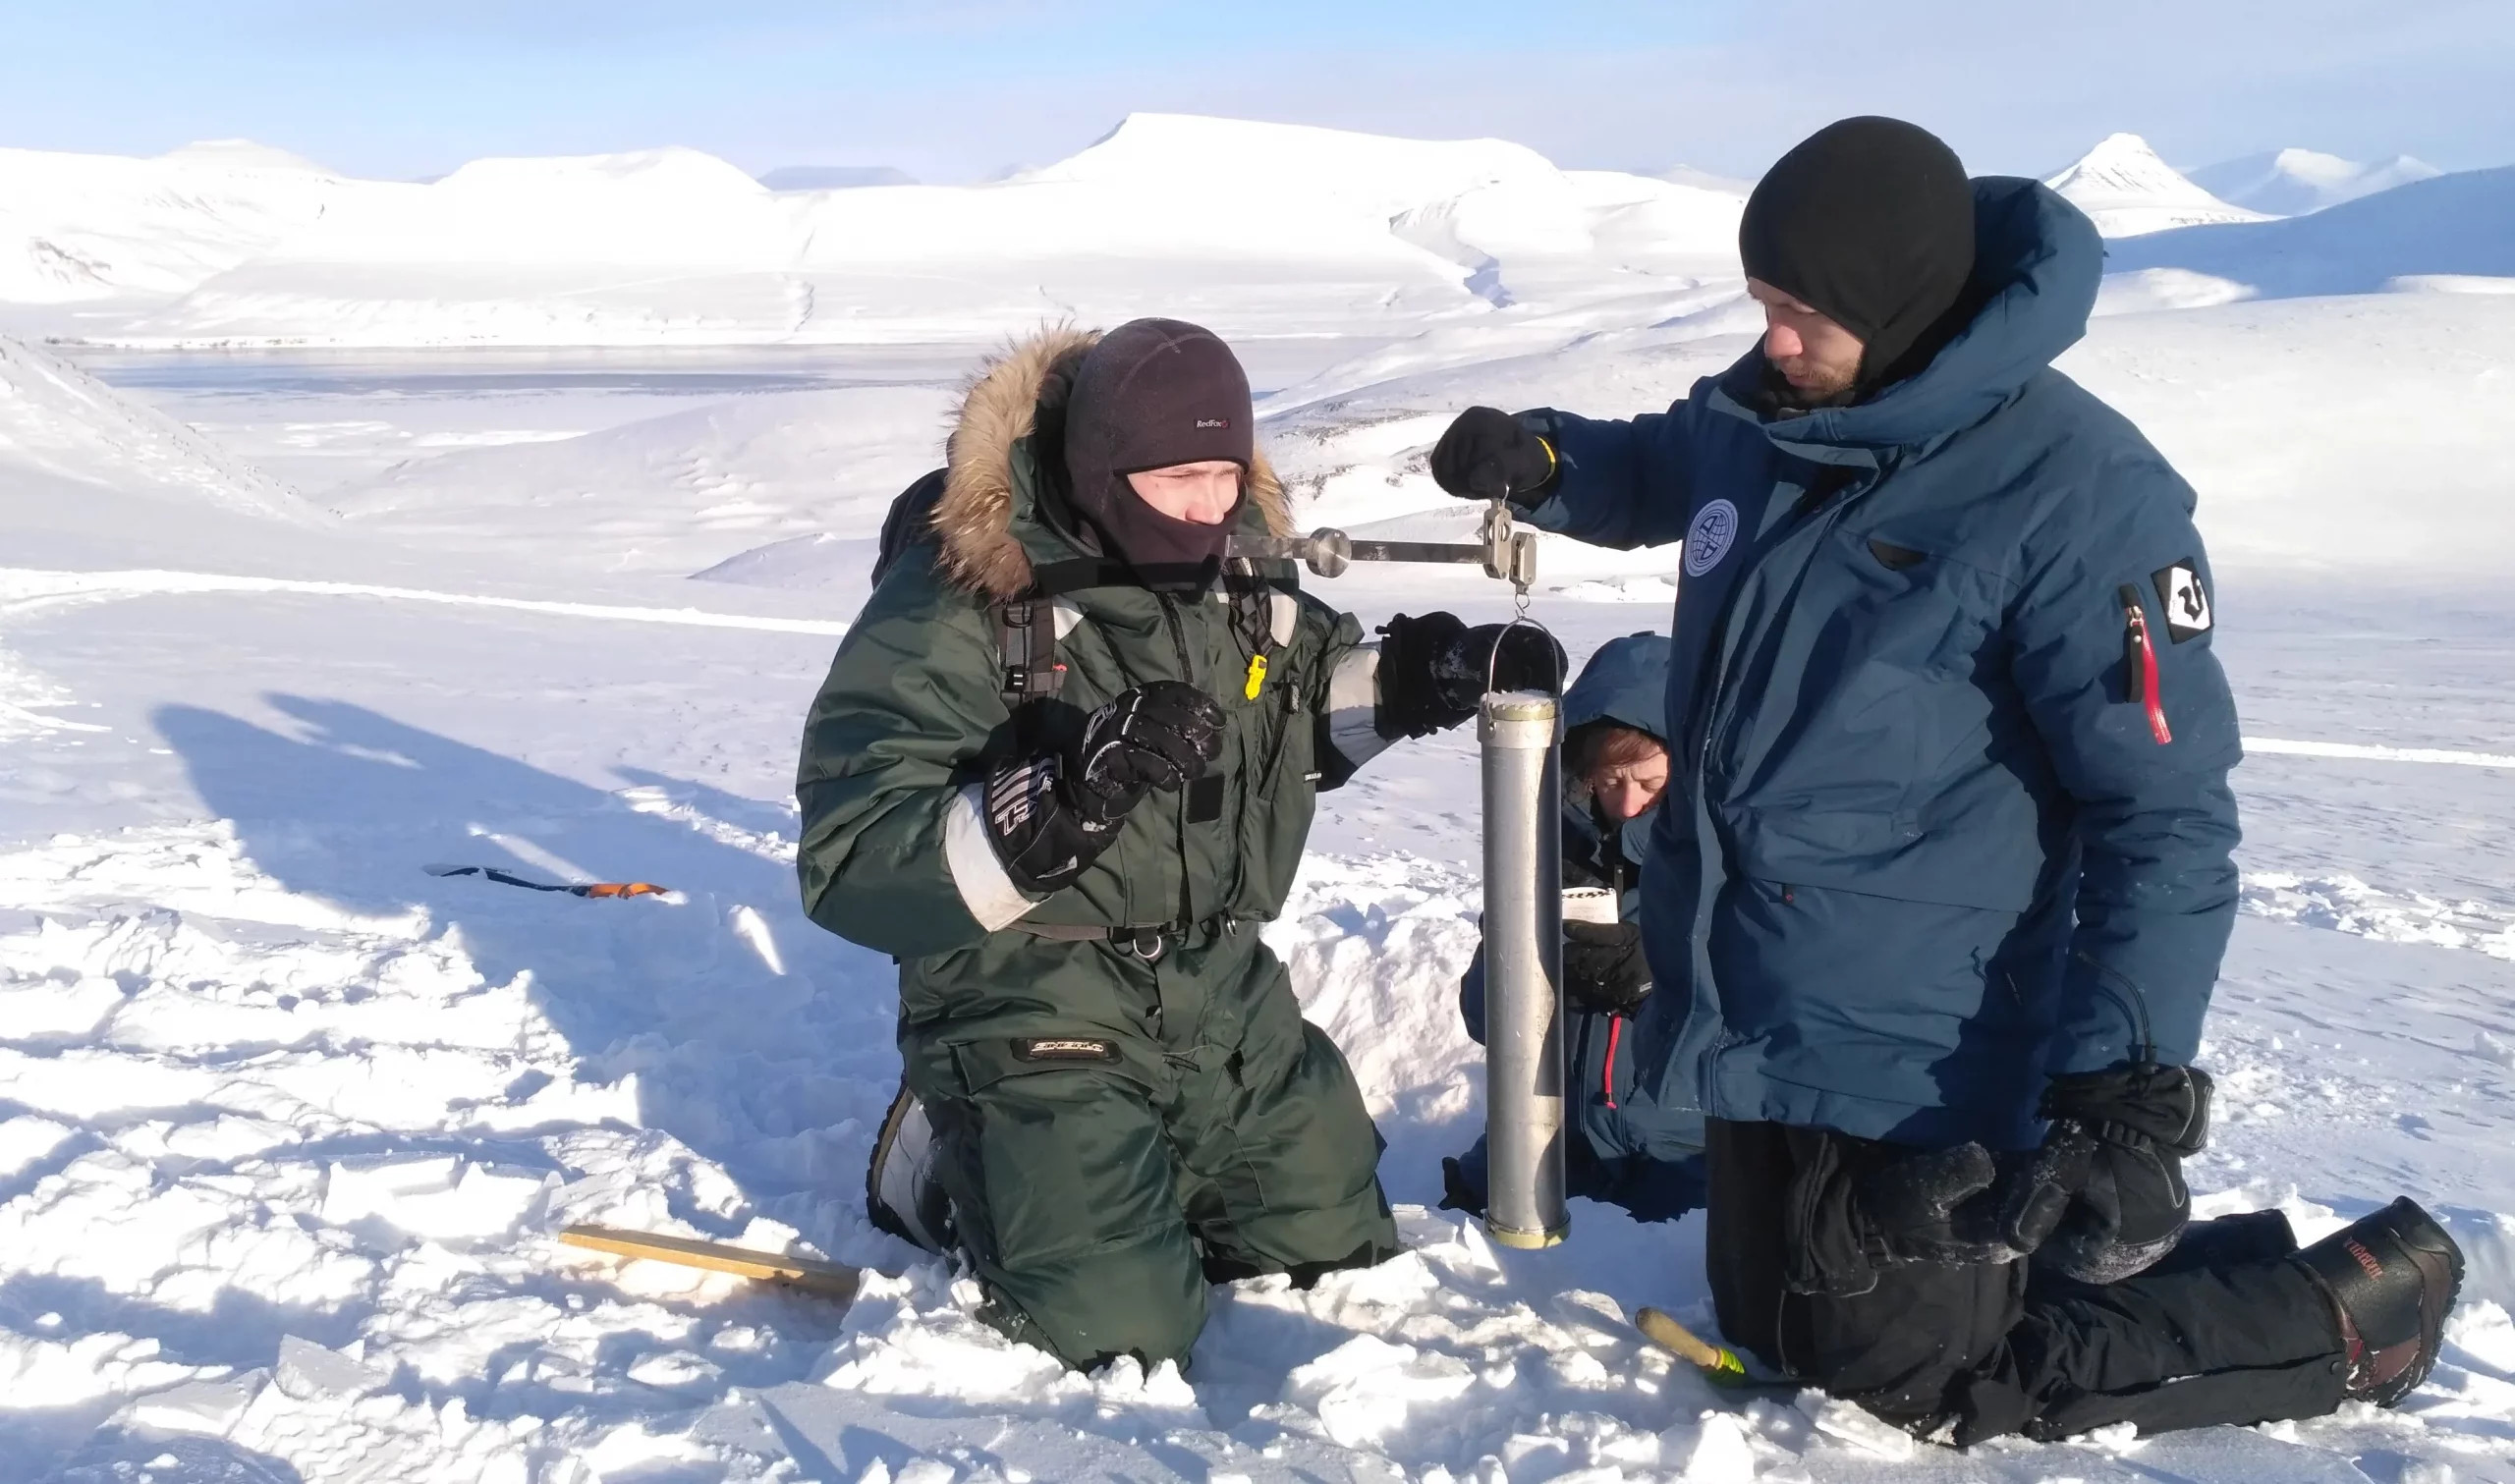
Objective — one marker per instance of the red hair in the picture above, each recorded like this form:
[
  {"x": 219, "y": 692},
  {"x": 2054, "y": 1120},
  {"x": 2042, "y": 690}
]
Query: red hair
[{"x": 1595, "y": 746}]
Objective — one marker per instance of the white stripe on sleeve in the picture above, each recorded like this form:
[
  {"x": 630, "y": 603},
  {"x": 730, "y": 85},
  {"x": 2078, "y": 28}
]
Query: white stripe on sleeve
[
  {"x": 1353, "y": 706},
  {"x": 986, "y": 890}
]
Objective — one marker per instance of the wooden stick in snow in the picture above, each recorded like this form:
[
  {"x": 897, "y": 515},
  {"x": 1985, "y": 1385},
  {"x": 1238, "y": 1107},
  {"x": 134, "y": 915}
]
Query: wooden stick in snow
[{"x": 829, "y": 1280}]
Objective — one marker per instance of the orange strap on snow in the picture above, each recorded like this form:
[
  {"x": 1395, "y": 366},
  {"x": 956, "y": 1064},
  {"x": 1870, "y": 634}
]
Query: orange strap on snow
[{"x": 578, "y": 889}]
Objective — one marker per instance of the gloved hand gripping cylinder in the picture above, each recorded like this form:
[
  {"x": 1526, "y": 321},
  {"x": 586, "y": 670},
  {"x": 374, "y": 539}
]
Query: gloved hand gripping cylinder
[{"x": 1520, "y": 733}]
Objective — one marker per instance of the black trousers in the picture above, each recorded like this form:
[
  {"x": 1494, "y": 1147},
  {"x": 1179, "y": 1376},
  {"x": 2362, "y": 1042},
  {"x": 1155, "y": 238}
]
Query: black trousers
[{"x": 2225, "y": 1330}]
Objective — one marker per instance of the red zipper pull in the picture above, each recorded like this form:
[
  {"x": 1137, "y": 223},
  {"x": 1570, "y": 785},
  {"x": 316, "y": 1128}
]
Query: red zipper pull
[{"x": 2139, "y": 658}]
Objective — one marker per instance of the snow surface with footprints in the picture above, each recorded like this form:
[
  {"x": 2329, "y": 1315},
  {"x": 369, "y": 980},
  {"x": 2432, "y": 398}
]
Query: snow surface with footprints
[{"x": 287, "y": 1123}]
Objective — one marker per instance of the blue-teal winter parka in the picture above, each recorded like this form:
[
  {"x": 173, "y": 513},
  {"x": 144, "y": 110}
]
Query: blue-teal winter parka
[{"x": 1949, "y": 810}]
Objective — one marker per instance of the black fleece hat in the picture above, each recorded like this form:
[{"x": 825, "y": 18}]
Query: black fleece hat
[
  {"x": 1871, "y": 222},
  {"x": 1152, "y": 393}
]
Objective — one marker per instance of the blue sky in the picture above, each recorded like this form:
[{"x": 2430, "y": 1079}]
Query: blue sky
[{"x": 955, "y": 89}]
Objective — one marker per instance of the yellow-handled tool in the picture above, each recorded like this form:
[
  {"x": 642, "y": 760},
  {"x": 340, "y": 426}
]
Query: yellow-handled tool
[
  {"x": 1718, "y": 1363},
  {"x": 829, "y": 1280}
]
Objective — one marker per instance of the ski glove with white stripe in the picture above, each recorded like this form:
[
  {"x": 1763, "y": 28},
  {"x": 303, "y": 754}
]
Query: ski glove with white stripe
[{"x": 1050, "y": 817}]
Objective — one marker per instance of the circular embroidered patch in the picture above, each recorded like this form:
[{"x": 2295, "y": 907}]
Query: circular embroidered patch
[{"x": 1709, "y": 539}]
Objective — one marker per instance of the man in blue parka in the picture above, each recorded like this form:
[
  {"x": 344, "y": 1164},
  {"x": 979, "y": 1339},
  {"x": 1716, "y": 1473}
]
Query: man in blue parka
[
  {"x": 1939, "y": 891},
  {"x": 1633, "y": 1151}
]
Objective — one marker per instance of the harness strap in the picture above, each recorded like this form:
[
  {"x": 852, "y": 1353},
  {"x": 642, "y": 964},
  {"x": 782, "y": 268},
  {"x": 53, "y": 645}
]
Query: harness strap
[
  {"x": 1147, "y": 941},
  {"x": 1025, "y": 626},
  {"x": 1025, "y": 639}
]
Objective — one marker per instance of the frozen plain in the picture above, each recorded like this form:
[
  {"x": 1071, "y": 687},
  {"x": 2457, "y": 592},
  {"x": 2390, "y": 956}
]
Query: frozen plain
[{"x": 285, "y": 1122}]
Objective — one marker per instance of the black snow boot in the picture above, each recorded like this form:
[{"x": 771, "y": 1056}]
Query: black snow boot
[
  {"x": 2392, "y": 1278},
  {"x": 903, "y": 1195}
]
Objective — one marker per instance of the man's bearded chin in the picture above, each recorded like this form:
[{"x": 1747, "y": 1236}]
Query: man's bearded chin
[{"x": 1832, "y": 391}]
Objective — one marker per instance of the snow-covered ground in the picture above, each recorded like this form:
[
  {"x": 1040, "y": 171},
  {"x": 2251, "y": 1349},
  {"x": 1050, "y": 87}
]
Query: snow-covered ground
[{"x": 286, "y": 1122}]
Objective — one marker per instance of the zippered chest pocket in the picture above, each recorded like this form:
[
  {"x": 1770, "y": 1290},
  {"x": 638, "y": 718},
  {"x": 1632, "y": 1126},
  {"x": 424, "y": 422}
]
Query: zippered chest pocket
[
  {"x": 1883, "y": 670},
  {"x": 1901, "y": 605}
]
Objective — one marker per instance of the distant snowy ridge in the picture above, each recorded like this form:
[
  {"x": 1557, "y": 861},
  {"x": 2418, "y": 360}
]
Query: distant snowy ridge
[
  {"x": 2452, "y": 233},
  {"x": 2295, "y": 182},
  {"x": 1253, "y": 228},
  {"x": 58, "y": 423},
  {"x": 76, "y": 227},
  {"x": 2129, "y": 190}
]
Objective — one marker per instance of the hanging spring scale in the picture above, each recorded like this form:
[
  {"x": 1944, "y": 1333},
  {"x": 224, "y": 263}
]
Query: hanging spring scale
[{"x": 1506, "y": 554}]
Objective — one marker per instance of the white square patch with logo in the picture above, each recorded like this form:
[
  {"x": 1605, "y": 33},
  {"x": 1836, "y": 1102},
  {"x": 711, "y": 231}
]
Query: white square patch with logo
[{"x": 2183, "y": 600}]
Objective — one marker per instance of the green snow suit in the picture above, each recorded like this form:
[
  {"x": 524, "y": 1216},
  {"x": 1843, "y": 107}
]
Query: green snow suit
[{"x": 1124, "y": 1119}]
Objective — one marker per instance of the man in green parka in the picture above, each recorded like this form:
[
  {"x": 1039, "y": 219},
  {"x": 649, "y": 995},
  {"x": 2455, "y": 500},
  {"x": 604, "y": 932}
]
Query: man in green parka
[{"x": 1062, "y": 768}]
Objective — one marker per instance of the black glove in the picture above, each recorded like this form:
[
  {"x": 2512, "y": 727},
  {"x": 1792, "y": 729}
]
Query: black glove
[
  {"x": 1604, "y": 969},
  {"x": 1857, "y": 1205},
  {"x": 2104, "y": 1197},
  {"x": 1433, "y": 669},
  {"x": 1487, "y": 453},
  {"x": 1930, "y": 1206},
  {"x": 1052, "y": 815}
]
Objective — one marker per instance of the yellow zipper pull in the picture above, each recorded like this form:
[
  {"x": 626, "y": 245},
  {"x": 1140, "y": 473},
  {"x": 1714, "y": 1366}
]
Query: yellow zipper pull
[{"x": 1256, "y": 677}]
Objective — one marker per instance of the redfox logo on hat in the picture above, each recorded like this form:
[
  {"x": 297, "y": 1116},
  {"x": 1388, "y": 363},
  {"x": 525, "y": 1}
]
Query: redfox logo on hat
[{"x": 1213, "y": 422}]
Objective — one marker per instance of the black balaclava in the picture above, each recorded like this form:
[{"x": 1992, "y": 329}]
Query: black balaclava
[
  {"x": 1869, "y": 222},
  {"x": 1152, "y": 393}
]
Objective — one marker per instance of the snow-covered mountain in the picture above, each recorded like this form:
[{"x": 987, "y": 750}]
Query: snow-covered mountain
[
  {"x": 2453, "y": 233},
  {"x": 2295, "y": 182},
  {"x": 77, "y": 227},
  {"x": 1256, "y": 228},
  {"x": 2128, "y": 189}
]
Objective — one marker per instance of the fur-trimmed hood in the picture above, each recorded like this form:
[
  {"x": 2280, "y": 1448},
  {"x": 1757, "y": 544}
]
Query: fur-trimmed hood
[{"x": 973, "y": 517}]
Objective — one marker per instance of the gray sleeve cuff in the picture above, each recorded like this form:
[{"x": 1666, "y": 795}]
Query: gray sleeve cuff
[
  {"x": 986, "y": 890},
  {"x": 1353, "y": 706}
]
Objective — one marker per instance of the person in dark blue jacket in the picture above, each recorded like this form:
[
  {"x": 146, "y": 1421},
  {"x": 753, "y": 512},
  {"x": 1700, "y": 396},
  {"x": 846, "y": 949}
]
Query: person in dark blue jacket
[
  {"x": 1633, "y": 1152},
  {"x": 1939, "y": 891}
]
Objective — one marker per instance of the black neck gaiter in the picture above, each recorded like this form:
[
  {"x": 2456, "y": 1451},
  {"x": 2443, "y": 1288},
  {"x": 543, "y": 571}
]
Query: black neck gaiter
[{"x": 1166, "y": 554}]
